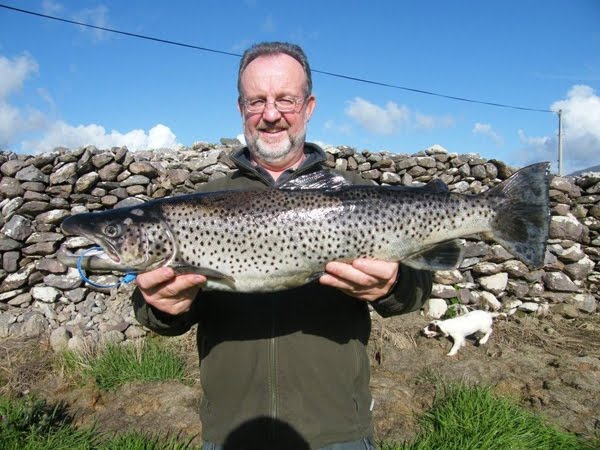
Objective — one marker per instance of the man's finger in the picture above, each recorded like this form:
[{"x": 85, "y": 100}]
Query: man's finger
[
  {"x": 351, "y": 274},
  {"x": 154, "y": 278},
  {"x": 382, "y": 270},
  {"x": 180, "y": 284}
]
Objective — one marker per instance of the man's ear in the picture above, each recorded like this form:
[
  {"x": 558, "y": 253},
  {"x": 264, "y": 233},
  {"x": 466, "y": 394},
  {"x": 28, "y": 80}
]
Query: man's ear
[
  {"x": 311, "y": 103},
  {"x": 240, "y": 108}
]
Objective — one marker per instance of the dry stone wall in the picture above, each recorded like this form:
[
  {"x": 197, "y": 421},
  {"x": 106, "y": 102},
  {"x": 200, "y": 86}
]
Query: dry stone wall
[{"x": 40, "y": 295}]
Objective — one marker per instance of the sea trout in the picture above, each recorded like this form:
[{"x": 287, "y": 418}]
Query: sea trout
[{"x": 274, "y": 239}]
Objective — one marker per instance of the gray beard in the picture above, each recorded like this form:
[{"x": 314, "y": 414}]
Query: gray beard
[{"x": 267, "y": 153}]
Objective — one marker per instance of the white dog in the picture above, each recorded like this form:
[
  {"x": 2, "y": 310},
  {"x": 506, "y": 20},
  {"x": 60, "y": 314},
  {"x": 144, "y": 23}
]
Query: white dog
[{"x": 458, "y": 328}]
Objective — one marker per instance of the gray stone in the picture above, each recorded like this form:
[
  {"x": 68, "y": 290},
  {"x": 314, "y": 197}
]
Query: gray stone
[
  {"x": 391, "y": 178},
  {"x": 529, "y": 307},
  {"x": 147, "y": 169},
  {"x": 46, "y": 294},
  {"x": 443, "y": 291},
  {"x": 32, "y": 173},
  {"x": 34, "y": 324},
  {"x": 10, "y": 187},
  {"x": 494, "y": 283},
  {"x": 40, "y": 249},
  {"x": 86, "y": 182},
  {"x": 11, "y": 167},
  {"x": 64, "y": 174},
  {"x": 566, "y": 310},
  {"x": 558, "y": 281},
  {"x": 54, "y": 216},
  {"x": 10, "y": 261},
  {"x": 435, "y": 308},
  {"x": 21, "y": 300},
  {"x": 448, "y": 277},
  {"x": 11, "y": 206},
  {"x": 18, "y": 227},
  {"x": 102, "y": 159},
  {"x": 488, "y": 301},
  {"x": 566, "y": 227},
  {"x": 135, "y": 179},
  {"x": 17, "y": 279},
  {"x": 580, "y": 269},
  {"x": 110, "y": 172},
  {"x": 59, "y": 339},
  {"x": 584, "y": 302},
  {"x": 68, "y": 281},
  {"x": 7, "y": 244}
]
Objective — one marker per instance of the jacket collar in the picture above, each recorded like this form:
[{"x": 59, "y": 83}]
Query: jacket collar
[{"x": 315, "y": 156}]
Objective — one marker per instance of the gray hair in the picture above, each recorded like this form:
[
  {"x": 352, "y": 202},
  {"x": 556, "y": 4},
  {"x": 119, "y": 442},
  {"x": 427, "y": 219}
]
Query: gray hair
[{"x": 276, "y": 48}]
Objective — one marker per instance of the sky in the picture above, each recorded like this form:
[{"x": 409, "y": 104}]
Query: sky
[{"x": 66, "y": 85}]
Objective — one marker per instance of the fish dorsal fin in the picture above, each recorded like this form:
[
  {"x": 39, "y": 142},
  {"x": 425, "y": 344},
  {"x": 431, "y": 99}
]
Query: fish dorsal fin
[
  {"x": 444, "y": 256},
  {"x": 320, "y": 179}
]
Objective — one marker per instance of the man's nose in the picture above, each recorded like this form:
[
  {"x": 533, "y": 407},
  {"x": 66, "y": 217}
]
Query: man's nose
[{"x": 271, "y": 114}]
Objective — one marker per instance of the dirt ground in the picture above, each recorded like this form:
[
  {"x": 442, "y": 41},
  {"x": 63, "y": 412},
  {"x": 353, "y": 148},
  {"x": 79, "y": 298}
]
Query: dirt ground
[{"x": 549, "y": 365}]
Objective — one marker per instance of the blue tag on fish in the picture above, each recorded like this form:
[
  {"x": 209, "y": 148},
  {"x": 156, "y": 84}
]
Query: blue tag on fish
[{"x": 127, "y": 278}]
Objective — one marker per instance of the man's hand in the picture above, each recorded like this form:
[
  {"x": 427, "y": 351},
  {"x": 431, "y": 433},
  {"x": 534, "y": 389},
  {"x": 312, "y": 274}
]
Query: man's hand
[
  {"x": 168, "y": 292},
  {"x": 365, "y": 279}
]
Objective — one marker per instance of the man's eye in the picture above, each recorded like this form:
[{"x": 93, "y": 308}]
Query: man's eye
[
  {"x": 285, "y": 102},
  {"x": 256, "y": 102}
]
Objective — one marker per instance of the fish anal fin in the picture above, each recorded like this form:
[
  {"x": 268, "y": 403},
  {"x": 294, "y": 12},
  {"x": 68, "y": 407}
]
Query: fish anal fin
[{"x": 444, "y": 256}]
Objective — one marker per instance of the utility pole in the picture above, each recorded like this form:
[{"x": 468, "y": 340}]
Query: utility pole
[{"x": 560, "y": 151}]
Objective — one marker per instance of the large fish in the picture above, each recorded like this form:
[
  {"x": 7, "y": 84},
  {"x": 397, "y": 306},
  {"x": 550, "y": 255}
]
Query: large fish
[{"x": 274, "y": 239}]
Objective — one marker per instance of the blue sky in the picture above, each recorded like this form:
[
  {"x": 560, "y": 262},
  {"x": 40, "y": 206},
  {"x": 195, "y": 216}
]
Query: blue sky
[{"x": 61, "y": 84}]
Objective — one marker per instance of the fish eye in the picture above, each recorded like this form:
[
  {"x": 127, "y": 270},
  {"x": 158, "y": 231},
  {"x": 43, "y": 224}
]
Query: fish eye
[{"x": 111, "y": 230}]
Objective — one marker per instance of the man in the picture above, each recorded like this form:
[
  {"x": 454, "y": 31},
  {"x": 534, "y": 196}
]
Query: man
[{"x": 288, "y": 369}]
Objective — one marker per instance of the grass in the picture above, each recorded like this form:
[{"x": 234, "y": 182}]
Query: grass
[
  {"x": 31, "y": 424},
  {"x": 116, "y": 365},
  {"x": 462, "y": 416},
  {"x": 472, "y": 418}
]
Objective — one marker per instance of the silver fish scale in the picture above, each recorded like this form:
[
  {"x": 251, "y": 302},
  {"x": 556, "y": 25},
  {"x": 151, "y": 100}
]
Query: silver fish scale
[{"x": 273, "y": 239}]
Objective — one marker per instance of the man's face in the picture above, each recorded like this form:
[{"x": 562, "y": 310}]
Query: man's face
[{"x": 275, "y": 139}]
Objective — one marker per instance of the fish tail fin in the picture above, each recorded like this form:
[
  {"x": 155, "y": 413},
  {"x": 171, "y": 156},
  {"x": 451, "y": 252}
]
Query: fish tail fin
[{"x": 523, "y": 213}]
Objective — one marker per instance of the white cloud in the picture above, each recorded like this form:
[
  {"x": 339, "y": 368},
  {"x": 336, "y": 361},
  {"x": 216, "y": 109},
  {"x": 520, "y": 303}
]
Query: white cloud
[
  {"x": 581, "y": 132},
  {"x": 51, "y": 7},
  {"x": 376, "y": 119},
  {"x": 61, "y": 134},
  {"x": 38, "y": 133},
  {"x": 98, "y": 17},
  {"x": 391, "y": 118},
  {"x": 13, "y": 73},
  {"x": 485, "y": 129}
]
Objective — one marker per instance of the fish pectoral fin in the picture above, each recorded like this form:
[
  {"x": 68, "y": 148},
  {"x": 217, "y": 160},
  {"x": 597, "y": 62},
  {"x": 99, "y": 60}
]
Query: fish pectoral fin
[
  {"x": 209, "y": 273},
  {"x": 315, "y": 276},
  {"x": 444, "y": 256}
]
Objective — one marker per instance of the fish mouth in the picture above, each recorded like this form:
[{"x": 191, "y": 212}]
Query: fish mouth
[{"x": 90, "y": 259}]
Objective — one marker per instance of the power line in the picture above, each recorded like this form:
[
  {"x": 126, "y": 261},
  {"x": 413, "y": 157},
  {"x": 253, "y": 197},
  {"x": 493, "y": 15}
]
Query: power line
[{"x": 332, "y": 74}]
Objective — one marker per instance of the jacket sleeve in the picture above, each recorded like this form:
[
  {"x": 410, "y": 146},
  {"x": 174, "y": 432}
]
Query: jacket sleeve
[
  {"x": 160, "y": 322},
  {"x": 409, "y": 293}
]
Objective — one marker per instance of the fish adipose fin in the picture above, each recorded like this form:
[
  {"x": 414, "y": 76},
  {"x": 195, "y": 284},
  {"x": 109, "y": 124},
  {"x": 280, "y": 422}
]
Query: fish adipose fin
[
  {"x": 444, "y": 256},
  {"x": 523, "y": 213}
]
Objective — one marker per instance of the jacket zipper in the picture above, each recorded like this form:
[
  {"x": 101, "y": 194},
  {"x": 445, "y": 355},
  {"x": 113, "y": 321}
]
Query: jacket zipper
[{"x": 273, "y": 382}]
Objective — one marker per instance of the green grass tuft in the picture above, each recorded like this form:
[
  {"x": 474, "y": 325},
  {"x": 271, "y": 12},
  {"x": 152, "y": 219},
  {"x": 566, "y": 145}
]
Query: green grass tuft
[
  {"x": 116, "y": 365},
  {"x": 31, "y": 424},
  {"x": 472, "y": 418}
]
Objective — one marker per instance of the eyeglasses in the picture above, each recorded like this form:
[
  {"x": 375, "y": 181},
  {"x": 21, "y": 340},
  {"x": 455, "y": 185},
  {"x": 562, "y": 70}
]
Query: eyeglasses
[{"x": 283, "y": 104}]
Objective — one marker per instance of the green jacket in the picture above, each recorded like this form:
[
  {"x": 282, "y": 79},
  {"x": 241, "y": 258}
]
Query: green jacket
[{"x": 295, "y": 358}]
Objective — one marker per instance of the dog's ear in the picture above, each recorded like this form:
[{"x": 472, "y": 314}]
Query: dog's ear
[{"x": 433, "y": 326}]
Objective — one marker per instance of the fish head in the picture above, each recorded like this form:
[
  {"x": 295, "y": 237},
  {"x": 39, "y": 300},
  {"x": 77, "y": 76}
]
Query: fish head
[{"x": 131, "y": 237}]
